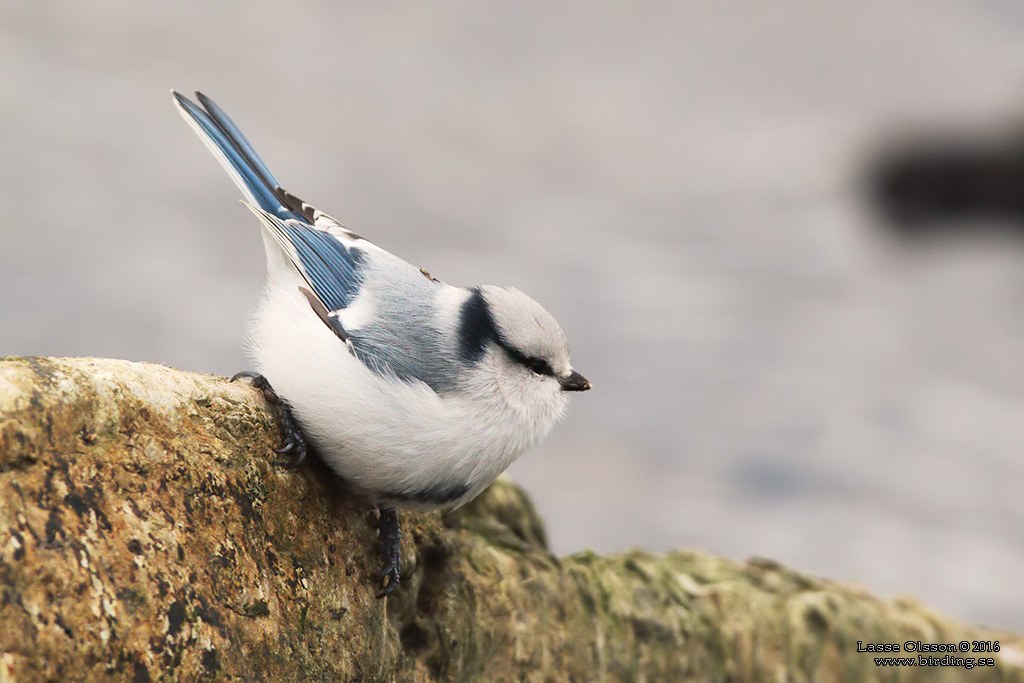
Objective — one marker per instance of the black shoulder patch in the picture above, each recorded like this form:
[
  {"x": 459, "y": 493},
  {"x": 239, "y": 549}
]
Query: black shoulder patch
[{"x": 476, "y": 327}]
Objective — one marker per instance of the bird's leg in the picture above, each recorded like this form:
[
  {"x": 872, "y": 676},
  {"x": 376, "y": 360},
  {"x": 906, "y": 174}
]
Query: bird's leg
[
  {"x": 390, "y": 535},
  {"x": 294, "y": 441}
]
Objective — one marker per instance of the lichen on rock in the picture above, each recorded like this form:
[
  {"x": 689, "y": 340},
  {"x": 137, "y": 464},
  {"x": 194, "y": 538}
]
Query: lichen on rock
[{"x": 146, "y": 532}]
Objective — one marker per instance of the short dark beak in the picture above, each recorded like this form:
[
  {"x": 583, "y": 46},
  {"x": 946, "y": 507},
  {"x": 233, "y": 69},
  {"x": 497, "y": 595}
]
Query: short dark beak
[{"x": 574, "y": 382}]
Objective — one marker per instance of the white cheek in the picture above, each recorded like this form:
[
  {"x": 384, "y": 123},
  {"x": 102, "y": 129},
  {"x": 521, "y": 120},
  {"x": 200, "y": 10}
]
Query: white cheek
[{"x": 539, "y": 400}]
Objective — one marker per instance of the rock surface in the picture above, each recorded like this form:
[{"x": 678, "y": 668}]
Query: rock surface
[{"x": 146, "y": 533}]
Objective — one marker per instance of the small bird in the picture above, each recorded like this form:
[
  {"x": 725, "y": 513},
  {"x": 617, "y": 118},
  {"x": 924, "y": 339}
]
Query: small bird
[{"x": 415, "y": 392}]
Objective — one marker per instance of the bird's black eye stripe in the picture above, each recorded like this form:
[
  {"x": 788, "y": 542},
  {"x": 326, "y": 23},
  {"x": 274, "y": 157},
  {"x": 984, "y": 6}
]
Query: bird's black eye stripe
[
  {"x": 541, "y": 367},
  {"x": 532, "y": 363}
]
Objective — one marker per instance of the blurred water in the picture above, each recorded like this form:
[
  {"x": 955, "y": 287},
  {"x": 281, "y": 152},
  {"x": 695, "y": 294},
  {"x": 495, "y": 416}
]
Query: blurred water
[{"x": 677, "y": 182}]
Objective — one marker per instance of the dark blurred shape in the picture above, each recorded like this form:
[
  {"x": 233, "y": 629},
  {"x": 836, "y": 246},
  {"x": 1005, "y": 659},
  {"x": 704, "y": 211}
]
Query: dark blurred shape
[{"x": 942, "y": 184}]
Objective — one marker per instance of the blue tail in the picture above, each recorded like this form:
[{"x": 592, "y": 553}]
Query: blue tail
[{"x": 236, "y": 155}]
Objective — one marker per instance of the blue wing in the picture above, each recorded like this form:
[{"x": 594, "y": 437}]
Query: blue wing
[
  {"x": 329, "y": 263},
  {"x": 401, "y": 341}
]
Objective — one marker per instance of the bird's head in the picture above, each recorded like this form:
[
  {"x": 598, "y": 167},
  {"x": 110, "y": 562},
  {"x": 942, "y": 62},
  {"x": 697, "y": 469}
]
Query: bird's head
[{"x": 524, "y": 348}]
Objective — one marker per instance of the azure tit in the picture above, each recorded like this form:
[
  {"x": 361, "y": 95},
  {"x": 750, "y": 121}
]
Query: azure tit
[{"x": 415, "y": 392}]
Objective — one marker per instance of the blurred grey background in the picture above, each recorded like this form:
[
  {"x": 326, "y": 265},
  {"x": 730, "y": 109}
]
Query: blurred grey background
[{"x": 777, "y": 372}]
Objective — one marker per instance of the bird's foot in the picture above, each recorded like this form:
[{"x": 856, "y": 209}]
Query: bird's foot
[
  {"x": 294, "y": 441},
  {"x": 390, "y": 535}
]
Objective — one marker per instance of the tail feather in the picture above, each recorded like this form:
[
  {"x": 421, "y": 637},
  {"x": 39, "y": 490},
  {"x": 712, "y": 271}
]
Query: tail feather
[
  {"x": 235, "y": 153},
  {"x": 238, "y": 138}
]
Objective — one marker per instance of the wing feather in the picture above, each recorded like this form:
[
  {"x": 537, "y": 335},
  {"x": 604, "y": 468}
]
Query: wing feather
[{"x": 400, "y": 342}]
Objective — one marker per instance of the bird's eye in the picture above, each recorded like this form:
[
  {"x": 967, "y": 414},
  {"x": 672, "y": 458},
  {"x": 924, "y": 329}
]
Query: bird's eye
[{"x": 539, "y": 366}]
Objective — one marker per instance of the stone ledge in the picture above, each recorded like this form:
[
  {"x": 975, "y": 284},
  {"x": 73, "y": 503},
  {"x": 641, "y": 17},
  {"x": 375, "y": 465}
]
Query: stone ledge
[{"x": 146, "y": 533}]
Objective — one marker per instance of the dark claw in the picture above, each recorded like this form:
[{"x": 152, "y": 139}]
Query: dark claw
[
  {"x": 300, "y": 455},
  {"x": 294, "y": 441},
  {"x": 390, "y": 534},
  {"x": 298, "y": 446},
  {"x": 244, "y": 373}
]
